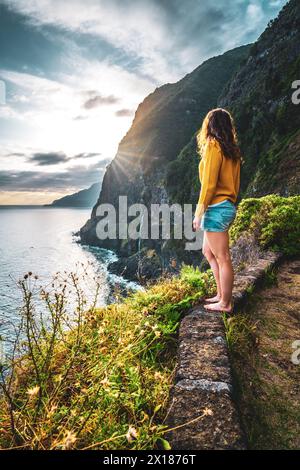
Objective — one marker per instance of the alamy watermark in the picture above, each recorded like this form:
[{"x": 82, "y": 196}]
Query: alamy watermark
[
  {"x": 296, "y": 94},
  {"x": 295, "y": 357},
  {"x": 2, "y": 352},
  {"x": 138, "y": 222},
  {"x": 2, "y": 93}
]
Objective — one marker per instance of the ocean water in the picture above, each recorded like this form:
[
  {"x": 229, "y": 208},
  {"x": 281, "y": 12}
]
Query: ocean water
[{"x": 42, "y": 240}]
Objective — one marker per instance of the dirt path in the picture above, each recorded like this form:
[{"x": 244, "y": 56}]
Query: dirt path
[{"x": 261, "y": 342}]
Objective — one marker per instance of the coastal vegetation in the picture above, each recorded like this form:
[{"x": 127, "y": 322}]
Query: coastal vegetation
[{"x": 100, "y": 377}]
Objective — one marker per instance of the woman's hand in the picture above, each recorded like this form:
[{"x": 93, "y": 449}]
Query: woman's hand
[{"x": 196, "y": 223}]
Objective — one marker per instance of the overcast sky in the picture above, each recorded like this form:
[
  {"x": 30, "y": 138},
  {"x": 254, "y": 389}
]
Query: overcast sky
[{"x": 75, "y": 71}]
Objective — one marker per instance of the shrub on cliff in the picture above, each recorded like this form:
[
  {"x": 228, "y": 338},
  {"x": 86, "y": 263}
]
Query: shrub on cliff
[{"x": 274, "y": 221}]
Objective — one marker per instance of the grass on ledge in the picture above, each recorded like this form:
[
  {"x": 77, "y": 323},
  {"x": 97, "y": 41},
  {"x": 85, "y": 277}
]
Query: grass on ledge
[
  {"x": 101, "y": 378},
  {"x": 266, "y": 382}
]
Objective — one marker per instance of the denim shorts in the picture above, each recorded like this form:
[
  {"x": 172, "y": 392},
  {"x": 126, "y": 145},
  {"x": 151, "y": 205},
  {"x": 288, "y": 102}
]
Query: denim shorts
[{"x": 218, "y": 217}]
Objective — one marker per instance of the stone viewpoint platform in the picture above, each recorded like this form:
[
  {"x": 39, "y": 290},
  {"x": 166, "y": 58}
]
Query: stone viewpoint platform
[{"x": 202, "y": 413}]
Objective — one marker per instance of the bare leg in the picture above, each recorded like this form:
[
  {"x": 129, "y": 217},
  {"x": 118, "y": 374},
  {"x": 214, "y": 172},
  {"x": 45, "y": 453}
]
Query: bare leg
[
  {"x": 214, "y": 267},
  {"x": 219, "y": 245}
]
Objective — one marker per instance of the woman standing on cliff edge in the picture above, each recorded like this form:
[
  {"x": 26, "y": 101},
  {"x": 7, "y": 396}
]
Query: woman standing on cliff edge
[{"x": 219, "y": 172}]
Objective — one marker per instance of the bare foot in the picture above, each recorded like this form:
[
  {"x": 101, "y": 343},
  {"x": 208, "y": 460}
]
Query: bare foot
[
  {"x": 219, "y": 307},
  {"x": 216, "y": 298}
]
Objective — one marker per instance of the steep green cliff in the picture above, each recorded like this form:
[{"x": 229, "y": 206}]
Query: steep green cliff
[
  {"x": 164, "y": 123},
  {"x": 260, "y": 98}
]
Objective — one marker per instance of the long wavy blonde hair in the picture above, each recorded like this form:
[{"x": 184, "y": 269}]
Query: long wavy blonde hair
[{"x": 219, "y": 124}]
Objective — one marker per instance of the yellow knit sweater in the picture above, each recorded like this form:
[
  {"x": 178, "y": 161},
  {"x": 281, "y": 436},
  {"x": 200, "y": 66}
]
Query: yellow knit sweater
[{"x": 219, "y": 177}]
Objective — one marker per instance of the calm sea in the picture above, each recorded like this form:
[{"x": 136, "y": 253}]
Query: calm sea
[{"x": 41, "y": 240}]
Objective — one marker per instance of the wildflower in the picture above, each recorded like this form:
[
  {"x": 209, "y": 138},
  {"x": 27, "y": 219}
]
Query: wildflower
[
  {"x": 105, "y": 382},
  {"x": 32, "y": 392},
  {"x": 157, "y": 333},
  {"x": 158, "y": 376},
  {"x": 69, "y": 440},
  {"x": 153, "y": 306},
  {"x": 52, "y": 410},
  {"x": 131, "y": 434},
  {"x": 207, "y": 412},
  {"x": 145, "y": 417}
]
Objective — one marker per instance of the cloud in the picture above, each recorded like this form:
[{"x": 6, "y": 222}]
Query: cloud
[
  {"x": 158, "y": 39},
  {"x": 86, "y": 155},
  {"x": 49, "y": 158},
  {"x": 54, "y": 115},
  {"x": 73, "y": 70},
  {"x": 124, "y": 112},
  {"x": 16, "y": 154},
  {"x": 75, "y": 178},
  {"x": 54, "y": 158},
  {"x": 255, "y": 14},
  {"x": 100, "y": 100}
]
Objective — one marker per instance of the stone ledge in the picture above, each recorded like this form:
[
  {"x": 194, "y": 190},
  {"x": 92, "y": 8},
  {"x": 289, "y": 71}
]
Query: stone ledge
[
  {"x": 203, "y": 384},
  {"x": 250, "y": 277},
  {"x": 213, "y": 421},
  {"x": 201, "y": 405}
]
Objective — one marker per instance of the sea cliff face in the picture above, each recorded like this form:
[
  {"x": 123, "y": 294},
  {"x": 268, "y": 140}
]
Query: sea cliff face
[
  {"x": 163, "y": 124},
  {"x": 260, "y": 98},
  {"x": 83, "y": 198}
]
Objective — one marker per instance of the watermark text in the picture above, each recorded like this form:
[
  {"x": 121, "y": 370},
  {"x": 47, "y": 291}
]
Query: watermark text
[
  {"x": 2, "y": 93},
  {"x": 138, "y": 222},
  {"x": 296, "y": 94}
]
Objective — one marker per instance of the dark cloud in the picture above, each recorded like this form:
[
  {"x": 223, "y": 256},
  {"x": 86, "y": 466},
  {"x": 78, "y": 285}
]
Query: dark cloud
[
  {"x": 202, "y": 23},
  {"x": 16, "y": 154},
  {"x": 100, "y": 100},
  {"x": 24, "y": 47},
  {"x": 49, "y": 158},
  {"x": 192, "y": 23},
  {"x": 76, "y": 177},
  {"x": 124, "y": 112},
  {"x": 86, "y": 155},
  {"x": 55, "y": 158}
]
